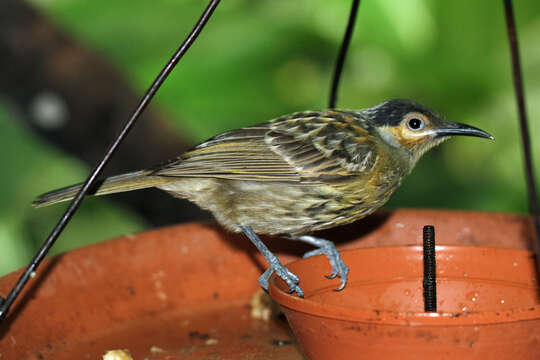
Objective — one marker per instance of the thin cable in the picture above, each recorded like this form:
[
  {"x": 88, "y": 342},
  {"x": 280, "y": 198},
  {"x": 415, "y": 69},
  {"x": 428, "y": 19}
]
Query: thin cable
[
  {"x": 75, "y": 203},
  {"x": 343, "y": 54},
  {"x": 534, "y": 209}
]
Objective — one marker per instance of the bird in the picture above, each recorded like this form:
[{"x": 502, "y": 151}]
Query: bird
[{"x": 296, "y": 174}]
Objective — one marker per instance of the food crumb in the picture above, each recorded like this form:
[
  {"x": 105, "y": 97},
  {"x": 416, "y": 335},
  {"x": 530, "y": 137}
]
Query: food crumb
[
  {"x": 211, "y": 341},
  {"x": 117, "y": 355},
  {"x": 263, "y": 307},
  {"x": 279, "y": 343},
  {"x": 155, "y": 349}
]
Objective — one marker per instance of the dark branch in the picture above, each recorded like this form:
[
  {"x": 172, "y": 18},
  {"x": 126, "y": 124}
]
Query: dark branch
[{"x": 78, "y": 102}]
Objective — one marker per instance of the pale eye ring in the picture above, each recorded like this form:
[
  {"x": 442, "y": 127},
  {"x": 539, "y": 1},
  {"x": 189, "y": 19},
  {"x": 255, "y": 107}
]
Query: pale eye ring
[{"x": 415, "y": 124}]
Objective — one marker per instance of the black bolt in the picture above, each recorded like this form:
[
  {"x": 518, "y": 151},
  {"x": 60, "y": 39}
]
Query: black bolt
[{"x": 430, "y": 283}]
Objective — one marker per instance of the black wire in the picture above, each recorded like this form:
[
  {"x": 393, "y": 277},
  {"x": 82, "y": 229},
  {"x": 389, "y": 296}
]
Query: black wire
[
  {"x": 49, "y": 242},
  {"x": 534, "y": 209},
  {"x": 343, "y": 54}
]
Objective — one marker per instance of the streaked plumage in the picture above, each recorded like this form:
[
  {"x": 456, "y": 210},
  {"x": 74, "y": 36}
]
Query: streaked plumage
[{"x": 298, "y": 173}]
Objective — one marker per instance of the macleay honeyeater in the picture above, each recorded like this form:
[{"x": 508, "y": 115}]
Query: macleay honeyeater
[{"x": 296, "y": 174}]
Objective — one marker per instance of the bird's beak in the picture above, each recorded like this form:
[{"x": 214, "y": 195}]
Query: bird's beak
[{"x": 452, "y": 129}]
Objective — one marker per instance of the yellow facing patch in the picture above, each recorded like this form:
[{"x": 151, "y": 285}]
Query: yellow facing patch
[{"x": 409, "y": 140}]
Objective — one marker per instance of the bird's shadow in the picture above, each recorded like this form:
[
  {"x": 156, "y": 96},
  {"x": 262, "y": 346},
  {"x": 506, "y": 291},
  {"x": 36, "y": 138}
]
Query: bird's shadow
[{"x": 280, "y": 245}]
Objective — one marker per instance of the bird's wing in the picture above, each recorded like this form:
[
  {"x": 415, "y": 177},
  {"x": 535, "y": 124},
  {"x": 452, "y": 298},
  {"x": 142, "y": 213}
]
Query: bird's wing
[
  {"x": 324, "y": 146},
  {"x": 238, "y": 154},
  {"x": 303, "y": 147}
]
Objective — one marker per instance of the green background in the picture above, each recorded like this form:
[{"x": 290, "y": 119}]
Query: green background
[{"x": 259, "y": 59}]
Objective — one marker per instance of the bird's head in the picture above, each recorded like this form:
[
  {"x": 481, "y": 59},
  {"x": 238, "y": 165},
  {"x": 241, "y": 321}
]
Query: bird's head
[{"x": 414, "y": 127}]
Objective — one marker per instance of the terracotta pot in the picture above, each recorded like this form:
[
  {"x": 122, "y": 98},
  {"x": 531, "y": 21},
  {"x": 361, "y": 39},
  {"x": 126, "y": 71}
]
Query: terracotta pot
[
  {"x": 186, "y": 289},
  {"x": 487, "y": 305}
]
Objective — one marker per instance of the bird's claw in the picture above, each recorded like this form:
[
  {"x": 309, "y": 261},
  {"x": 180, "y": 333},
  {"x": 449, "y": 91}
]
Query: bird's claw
[
  {"x": 286, "y": 275},
  {"x": 339, "y": 268}
]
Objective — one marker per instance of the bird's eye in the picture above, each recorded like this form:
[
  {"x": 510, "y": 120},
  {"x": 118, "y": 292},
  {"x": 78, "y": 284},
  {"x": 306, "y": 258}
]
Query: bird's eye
[{"x": 415, "y": 124}]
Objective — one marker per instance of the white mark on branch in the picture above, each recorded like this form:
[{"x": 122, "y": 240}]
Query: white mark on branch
[{"x": 48, "y": 110}]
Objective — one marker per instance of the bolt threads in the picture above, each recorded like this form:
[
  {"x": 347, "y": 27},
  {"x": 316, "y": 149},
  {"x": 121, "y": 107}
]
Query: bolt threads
[{"x": 430, "y": 281}]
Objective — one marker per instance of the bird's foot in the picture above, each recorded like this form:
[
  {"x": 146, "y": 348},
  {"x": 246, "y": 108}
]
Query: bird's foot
[
  {"x": 275, "y": 265},
  {"x": 325, "y": 247},
  {"x": 285, "y": 274}
]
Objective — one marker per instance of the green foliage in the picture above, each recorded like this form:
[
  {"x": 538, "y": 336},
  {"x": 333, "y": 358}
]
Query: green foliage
[{"x": 260, "y": 59}]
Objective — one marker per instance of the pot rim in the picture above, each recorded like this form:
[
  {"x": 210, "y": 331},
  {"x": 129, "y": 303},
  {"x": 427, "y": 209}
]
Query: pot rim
[{"x": 408, "y": 318}]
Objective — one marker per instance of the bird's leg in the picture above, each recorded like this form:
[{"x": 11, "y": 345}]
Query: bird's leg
[
  {"x": 275, "y": 265},
  {"x": 325, "y": 247}
]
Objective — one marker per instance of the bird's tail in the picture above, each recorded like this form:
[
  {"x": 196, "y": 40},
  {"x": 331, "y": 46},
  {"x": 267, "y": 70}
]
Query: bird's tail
[{"x": 115, "y": 184}]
